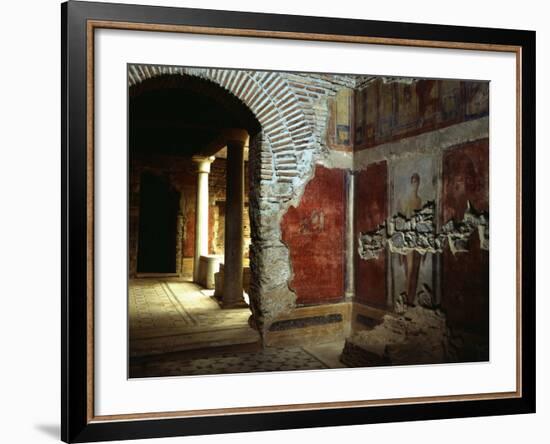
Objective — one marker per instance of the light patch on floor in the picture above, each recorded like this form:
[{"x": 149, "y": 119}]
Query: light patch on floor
[
  {"x": 168, "y": 316},
  {"x": 177, "y": 328}
]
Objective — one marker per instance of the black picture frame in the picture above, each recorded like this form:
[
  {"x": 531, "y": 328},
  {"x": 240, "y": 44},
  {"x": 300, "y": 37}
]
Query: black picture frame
[{"x": 76, "y": 423}]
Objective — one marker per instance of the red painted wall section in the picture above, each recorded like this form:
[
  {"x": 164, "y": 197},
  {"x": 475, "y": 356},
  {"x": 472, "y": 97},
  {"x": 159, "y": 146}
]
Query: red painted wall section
[
  {"x": 314, "y": 234},
  {"x": 465, "y": 276},
  {"x": 370, "y": 211},
  {"x": 189, "y": 241}
]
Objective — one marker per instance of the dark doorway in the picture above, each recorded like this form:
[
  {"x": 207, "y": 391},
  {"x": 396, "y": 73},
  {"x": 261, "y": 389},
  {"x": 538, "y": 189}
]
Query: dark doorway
[{"x": 159, "y": 205}]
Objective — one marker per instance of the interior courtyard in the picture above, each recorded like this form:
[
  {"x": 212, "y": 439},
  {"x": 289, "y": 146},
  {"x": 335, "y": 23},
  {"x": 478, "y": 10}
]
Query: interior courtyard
[{"x": 299, "y": 221}]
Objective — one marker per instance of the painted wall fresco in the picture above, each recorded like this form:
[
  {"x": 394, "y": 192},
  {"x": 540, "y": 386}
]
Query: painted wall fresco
[
  {"x": 371, "y": 200},
  {"x": 341, "y": 117},
  {"x": 388, "y": 110},
  {"x": 437, "y": 232},
  {"x": 465, "y": 276},
  {"x": 413, "y": 184},
  {"x": 314, "y": 234}
]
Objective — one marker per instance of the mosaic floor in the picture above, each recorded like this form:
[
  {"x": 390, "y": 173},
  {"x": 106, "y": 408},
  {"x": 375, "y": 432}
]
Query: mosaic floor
[
  {"x": 169, "y": 316},
  {"x": 267, "y": 360},
  {"x": 178, "y": 329}
]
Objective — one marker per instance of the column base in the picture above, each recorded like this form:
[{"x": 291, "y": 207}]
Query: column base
[{"x": 234, "y": 304}]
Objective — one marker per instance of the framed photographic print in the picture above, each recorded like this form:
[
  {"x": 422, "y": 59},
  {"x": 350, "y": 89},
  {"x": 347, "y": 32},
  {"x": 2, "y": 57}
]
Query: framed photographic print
[{"x": 276, "y": 221}]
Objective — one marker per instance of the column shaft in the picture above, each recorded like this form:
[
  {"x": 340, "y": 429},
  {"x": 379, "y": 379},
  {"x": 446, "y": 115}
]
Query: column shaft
[
  {"x": 234, "y": 236},
  {"x": 201, "y": 213},
  {"x": 350, "y": 236}
]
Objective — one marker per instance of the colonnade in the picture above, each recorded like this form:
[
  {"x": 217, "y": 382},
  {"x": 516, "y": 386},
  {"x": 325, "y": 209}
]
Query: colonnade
[{"x": 235, "y": 140}]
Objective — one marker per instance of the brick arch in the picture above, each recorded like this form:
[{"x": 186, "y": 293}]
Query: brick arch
[{"x": 286, "y": 130}]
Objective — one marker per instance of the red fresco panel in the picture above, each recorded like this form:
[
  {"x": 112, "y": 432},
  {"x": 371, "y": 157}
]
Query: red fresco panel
[
  {"x": 465, "y": 276},
  {"x": 314, "y": 234},
  {"x": 370, "y": 211},
  {"x": 189, "y": 241}
]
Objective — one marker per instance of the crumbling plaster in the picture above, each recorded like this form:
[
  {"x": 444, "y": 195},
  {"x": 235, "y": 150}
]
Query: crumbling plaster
[{"x": 403, "y": 235}]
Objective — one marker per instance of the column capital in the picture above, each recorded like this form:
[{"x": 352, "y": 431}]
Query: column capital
[
  {"x": 236, "y": 135},
  {"x": 203, "y": 163}
]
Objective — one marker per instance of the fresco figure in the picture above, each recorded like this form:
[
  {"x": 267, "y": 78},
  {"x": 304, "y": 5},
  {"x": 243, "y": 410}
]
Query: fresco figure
[{"x": 411, "y": 261}]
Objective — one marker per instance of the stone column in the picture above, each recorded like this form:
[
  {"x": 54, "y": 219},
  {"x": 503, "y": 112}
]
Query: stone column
[
  {"x": 201, "y": 211},
  {"x": 234, "y": 206},
  {"x": 350, "y": 236}
]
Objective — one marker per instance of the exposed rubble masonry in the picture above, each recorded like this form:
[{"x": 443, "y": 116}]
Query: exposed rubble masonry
[{"x": 403, "y": 235}]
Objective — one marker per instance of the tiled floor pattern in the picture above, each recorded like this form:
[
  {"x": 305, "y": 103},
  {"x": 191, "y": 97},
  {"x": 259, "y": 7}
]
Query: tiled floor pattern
[
  {"x": 177, "y": 329},
  {"x": 181, "y": 313},
  {"x": 155, "y": 305},
  {"x": 267, "y": 360},
  {"x": 151, "y": 306}
]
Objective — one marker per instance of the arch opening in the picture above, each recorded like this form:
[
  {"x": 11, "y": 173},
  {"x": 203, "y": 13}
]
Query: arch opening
[
  {"x": 280, "y": 137},
  {"x": 189, "y": 204}
]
